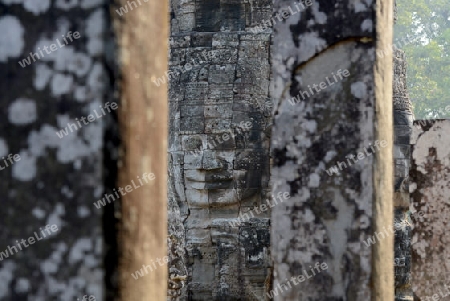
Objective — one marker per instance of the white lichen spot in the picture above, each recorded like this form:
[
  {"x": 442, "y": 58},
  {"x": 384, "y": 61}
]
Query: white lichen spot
[
  {"x": 359, "y": 90},
  {"x": 308, "y": 216},
  {"x": 98, "y": 191},
  {"x": 3, "y": 147},
  {"x": 42, "y": 76},
  {"x": 90, "y": 261},
  {"x": 83, "y": 211},
  {"x": 367, "y": 25},
  {"x": 314, "y": 180},
  {"x": 61, "y": 84},
  {"x": 77, "y": 164},
  {"x": 55, "y": 218},
  {"x": 6, "y": 275},
  {"x": 96, "y": 79},
  {"x": 38, "y": 213},
  {"x": 22, "y": 285},
  {"x": 63, "y": 57},
  {"x": 412, "y": 187},
  {"x": 79, "y": 64},
  {"x": 95, "y": 23},
  {"x": 71, "y": 149},
  {"x": 81, "y": 246},
  {"x": 65, "y": 191},
  {"x": 22, "y": 111},
  {"x": 38, "y": 141},
  {"x": 310, "y": 43},
  {"x": 330, "y": 155},
  {"x": 359, "y": 6},
  {"x": 25, "y": 169},
  {"x": 310, "y": 125},
  {"x": 319, "y": 17},
  {"x": 36, "y": 7},
  {"x": 80, "y": 94},
  {"x": 66, "y": 4},
  {"x": 48, "y": 267},
  {"x": 95, "y": 26},
  {"x": 11, "y": 38},
  {"x": 95, "y": 46}
]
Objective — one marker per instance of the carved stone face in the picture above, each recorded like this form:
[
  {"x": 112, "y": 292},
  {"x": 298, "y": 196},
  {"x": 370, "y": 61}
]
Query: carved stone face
[
  {"x": 219, "y": 166},
  {"x": 216, "y": 174}
]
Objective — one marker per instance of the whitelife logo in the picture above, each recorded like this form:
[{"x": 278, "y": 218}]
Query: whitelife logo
[
  {"x": 12, "y": 159},
  {"x": 11, "y": 250},
  {"x": 27, "y": 61},
  {"x": 142, "y": 272},
  {"x": 124, "y": 10},
  {"x": 319, "y": 87},
  {"x": 102, "y": 202},
  {"x": 90, "y": 118}
]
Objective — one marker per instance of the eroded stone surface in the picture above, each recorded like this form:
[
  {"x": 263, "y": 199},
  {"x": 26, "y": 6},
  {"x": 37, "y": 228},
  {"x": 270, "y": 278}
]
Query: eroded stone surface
[
  {"x": 430, "y": 190},
  {"x": 328, "y": 216},
  {"x": 403, "y": 119},
  {"x": 57, "y": 179}
]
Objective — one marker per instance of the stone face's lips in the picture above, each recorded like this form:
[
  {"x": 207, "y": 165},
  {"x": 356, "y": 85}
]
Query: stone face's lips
[
  {"x": 213, "y": 179},
  {"x": 210, "y": 176}
]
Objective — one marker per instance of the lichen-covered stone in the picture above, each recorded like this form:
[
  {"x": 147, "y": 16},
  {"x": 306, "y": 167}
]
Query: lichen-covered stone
[
  {"x": 403, "y": 118},
  {"x": 430, "y": 208},
  {"x": 57, "y": 179},
  {"x": 327, "y": 217}
]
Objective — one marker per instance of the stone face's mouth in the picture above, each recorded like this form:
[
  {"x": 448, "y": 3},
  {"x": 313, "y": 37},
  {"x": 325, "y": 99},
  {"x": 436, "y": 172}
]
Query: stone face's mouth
[
  {"x": 210, "y": 177},
  {"x": 212, "y": 180}
]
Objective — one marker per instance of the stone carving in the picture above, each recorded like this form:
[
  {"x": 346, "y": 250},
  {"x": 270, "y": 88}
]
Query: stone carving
[
  {"x": 403, "y": 119},
  {"x": 220, "y": 120}
]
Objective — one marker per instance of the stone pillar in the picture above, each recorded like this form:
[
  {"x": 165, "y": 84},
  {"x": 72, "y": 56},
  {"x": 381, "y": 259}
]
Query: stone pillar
[
  {"x": 142, "y": 35},
  {"x": 54, "y": 71},
  {"x": 220, "y": 119},
  {"x": 332, "y": 147},
  {"x": 430, "y": 209},
  {"x": 403, "y": 118}
]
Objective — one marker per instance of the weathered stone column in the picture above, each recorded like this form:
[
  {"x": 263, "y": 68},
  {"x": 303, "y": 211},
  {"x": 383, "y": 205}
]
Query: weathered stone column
[
  {"x": 220, "y": 120},
  {"x": 334, "y": 110},
  {"x": 403, "y": 118},
  {"x": 54, "y": 71},
  {"x": 430, "y": 209},
  {"x": 142, "y": 35}
]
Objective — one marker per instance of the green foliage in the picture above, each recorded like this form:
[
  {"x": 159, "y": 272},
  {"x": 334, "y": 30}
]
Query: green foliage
[{"x": 427, "y": 54}]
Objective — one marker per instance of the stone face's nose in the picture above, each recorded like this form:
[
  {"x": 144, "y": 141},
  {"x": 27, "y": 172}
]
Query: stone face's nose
[{"x": 210, "y": 161}]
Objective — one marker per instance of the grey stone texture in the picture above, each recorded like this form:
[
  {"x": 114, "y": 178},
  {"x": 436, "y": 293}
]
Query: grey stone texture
[
  {"x": 328, "y": 217},
  {"x": 57, "y": 179},
  {"x": 403, "y": 119},
  {"x": 430, "y": 209},
  {"x": 219, "y": 133}
]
